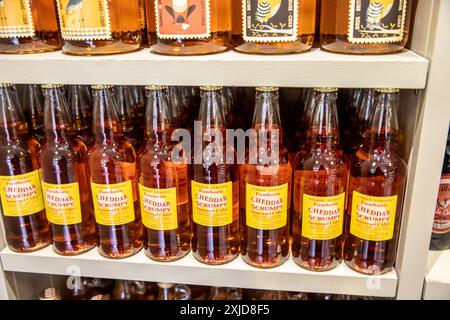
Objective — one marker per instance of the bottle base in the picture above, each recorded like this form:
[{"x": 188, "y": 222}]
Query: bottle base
[
  {"x": 31, "y": 45},
  {"x": 215, "y": 261},
  {"x": 35, "y": 248},
  {"x": 311, "y": 267},
  {"x": 264, "y": 265},
  {"x": 73, "y": 252},
  {"x": 197, "y": 50},
  {"x": 372, "y": 270},
  {"x": 113, "y": 49},
  {"x": 166, "y": 259},
  {"x": 118, "y": 256},
  {"x": 272, "y": 49}
]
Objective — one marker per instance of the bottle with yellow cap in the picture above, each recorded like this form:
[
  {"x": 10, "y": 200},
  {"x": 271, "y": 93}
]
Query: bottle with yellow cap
[
  {"x": 28, "y": 26},
  {"x": 265, "y": 187},
  {"x": 375, "y": 191},
  {"x": 65, "y": 181},
  {"x": 163, "y": 184},
  {"x": 23, "y": 211},
  {"x": 214, "y": 185},
  {"x": 320, "y": 181},
  {"x": 112, "y": 164}
]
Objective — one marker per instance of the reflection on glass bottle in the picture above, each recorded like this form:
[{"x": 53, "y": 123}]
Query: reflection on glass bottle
[
  {"x": 221, "y": 293},
  {"x": 80, "y": 104},
  {"x": 127, "y": 115},
  {"x": 168, "y": 291},
  {"x": 33, "y": 109}
]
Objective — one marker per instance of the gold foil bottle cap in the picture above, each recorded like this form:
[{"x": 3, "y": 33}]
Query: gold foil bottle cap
[
  {"x": 326, "y": 89},
  {"x": 387, "y": 90},
  {"x": 50, "y": 294},
  {"x": 165, "y": 285},
  {"x": 155, "y": 87},
  {"x": 101, "y": 86},
  {"x": 52, "y": 86},
  {"x": 267, "y": 89},
  {"x": 211, "y": 88}
]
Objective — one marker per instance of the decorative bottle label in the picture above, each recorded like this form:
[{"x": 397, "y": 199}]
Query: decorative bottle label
[
  {"x": 159, "y": 208},
  {"x": 270, "y": 20},
  {"x": 266, "y": 207},
  {"x": 373, "y": 218},
  {"x": 212, "y": 204},
  {"x": 183, "y": 19},
  {"x": 380, "y": 21},
  {"x": 62, "y": 203},
  {"x": 441, "y": 223},
  {"x": 323, "y": 217},
  {"x": 84, "y": 19},
  {"x": 16, "y": 19}
]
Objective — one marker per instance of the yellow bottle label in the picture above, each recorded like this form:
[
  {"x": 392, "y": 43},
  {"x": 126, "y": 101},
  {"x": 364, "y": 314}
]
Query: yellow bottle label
[
  {"x": 159, "y": 208},
  {"x": 84, "y": 19},
  {"x": 16, "y": 19},
  {"x": 376, "y": 21},
  {"x": 212, "y": 204},
  {"x": 113, "y": 203},
  {"x": 323, "y": 217},
  {"x": 373, "y": 218},
  {"x": 62, "y": 203},
  {"x": 21, "y": 195},
  {"x": 266, "y": 207}
]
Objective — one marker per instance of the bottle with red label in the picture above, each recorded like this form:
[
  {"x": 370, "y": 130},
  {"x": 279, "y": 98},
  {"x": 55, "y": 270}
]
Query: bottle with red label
[
  {"x": 65, "y": 182},
  {"x": 22, "y": 204},
  {"x": 440, "y": 239},
  {"x": 163, "y": 184},
  {"x": 375, "y": 192},
  {"x": 112, "y": 164},
  {"x": 265, "y": 187},
  {"x": 320, "y": 181},
  {"x": 192, "y": 27},
  {"x": 214, "y": 185}
]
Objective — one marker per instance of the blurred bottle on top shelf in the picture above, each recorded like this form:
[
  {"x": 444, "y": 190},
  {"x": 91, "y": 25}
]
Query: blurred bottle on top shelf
[
  {"x": 100, "y": 27},
  {"x": 29, "y": 26},
  {"x": 274, "y": 26}
]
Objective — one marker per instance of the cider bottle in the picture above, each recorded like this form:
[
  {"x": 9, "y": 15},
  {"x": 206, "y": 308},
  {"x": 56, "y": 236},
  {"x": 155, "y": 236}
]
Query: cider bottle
[
  {"x": 28, "y": 26},
  {"x": 265, "y": 187},
  {"x": 169, "y": 291},
  {"x": 127, "y": 115},
  {"x": 363, "y": 117},
  {"x": 81, "y": 111},
  {"x": 100, "y": 27},
  {"x": 375, "y": 192},
  {"x": 320, "y": 181},
  {"x": 33, "y": 109},
  {"x": 192, "y": 27},
  {"x": 24, "y": 219},
  {"x": 365, "y": 26},
  {"x": 143, "y": 22},
  {"x": 163, "y": 185},
  {"x": 112, "y": 163},
  {"x": 151, "y": 21},
  {"x": 275, "y": 26},
  {"x": 65, "y": 181},
  {"x": 214, "y": 186}
]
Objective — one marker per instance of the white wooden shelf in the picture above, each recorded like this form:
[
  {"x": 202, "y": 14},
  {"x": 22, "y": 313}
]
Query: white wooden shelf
[
  {"x": 288, "y": 277},
  {"x": 437, "y": 280},
  {"x": 315, "y": 68}
]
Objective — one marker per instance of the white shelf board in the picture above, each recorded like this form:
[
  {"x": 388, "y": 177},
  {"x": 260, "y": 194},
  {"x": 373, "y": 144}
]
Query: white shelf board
[
  {"x": 437, "y": 280},
  {"x": 288, "y": 277},
  {"x": 315, "y": 68}
]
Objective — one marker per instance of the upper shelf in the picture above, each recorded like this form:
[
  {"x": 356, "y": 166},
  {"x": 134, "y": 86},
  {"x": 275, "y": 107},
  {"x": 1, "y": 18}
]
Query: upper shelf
[
  {"x": 406, "y": 70},
  {"x": 437, "y": 280}
]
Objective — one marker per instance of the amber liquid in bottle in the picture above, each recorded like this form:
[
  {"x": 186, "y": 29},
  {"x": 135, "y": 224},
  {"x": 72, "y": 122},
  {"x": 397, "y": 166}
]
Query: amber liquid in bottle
[
  {"x": 218, "y": 41},
  {"x": 125, "y": 22},
  {"x": 33, "y": 109},
  {"x": 80, "y": 105},
  {"x": 214, "y": 244},
  {"x": 266, "y": 246},
  {"x": 156, "y": 170},
  {"x": 18, "y": 155},
  {"x": 151, "y": 21},
  {"x": 128, "y": 115},
  {"x": 334, "y": 29},
  {"x": 320, "y": 171},
  {"x": 112, "y": 161},
  {"x": 376, "y": 170},
  {"x": 306, "y": 22},
  {"x": 46, "y": 33},
  {"x": 64, "y": 161}
]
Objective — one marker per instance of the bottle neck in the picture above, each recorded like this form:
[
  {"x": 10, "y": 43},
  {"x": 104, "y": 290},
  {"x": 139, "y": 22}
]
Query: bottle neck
[
  {"x": 12, "y": 120},
  {"x": 159, "y": 126},
  {"x": 58, "y": 123},
  {"x": 106, "y": 125},
  {"x": 211, "y": 114},
  {"x": 266, "y": 118},
  {"x": 78, "y": 106}
]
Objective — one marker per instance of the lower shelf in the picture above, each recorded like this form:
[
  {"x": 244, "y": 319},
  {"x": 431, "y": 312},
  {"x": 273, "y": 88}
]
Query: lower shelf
[
  {"x": 437, "y": 281},
  {"x": 288, "y": 277}
]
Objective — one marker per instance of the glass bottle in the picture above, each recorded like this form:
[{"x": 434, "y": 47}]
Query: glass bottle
[
  {"x": 275, "y": 26},
  {"x": 24, "y": 219},
  {"x": 100, "y": 27},
  {"x": 366, "y": 26},
  {"x": 143, "y": 22},
  {"x": 168, "y": 291},
  {"x": 127, "y": 115},
  {"x": 112, "y": 163},
  {"x": 215, "y": 228},
  {"x": 151, "y": 21},
  {"x": 77, "y": 288},
  {"x": 163, "y": 185},
  {"x": 320, "y": 181},
  {"x": 29, "y": 26},
  {"x": 364, "y": 115},
  {"x": 350, "y": 120},
  {"x": 192, "y": 27},
  {"x": 221, "y": 293},
  {"x": 375, "y": 192},
  {"x": 440, "y": 238},
  {"x": 122, "y": 290},
  {"x": 65, "y": 182},
  {"x": 50, "y": 294},
  {"x": 81, "y": 110},
  {"x": 265, "y": 187},
  {"x": 33, "y": 109}
]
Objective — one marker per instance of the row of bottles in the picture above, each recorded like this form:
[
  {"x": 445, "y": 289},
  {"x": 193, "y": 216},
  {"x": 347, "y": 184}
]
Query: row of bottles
[
  {"x": 79, "y": 288},
  {"x": 109, "y": 195},
  {"x": 192, "y": 27}
]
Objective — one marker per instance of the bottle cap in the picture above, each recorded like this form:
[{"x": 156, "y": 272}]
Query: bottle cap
[
  {"x": 387, "y": 90},
  {"x": 155, "y": 87},
  {"x": 165, "y": 285},
  {"x": 52, "y": 86},
  {"x": 6, "y": 85},
  {"x": 50, "y": 294},
  {"x": 210, "y": 88},
  {"x": 101, "y": 86},
  {"x": 326, "y": 89},
  {"x": 267, "y": 89}
]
